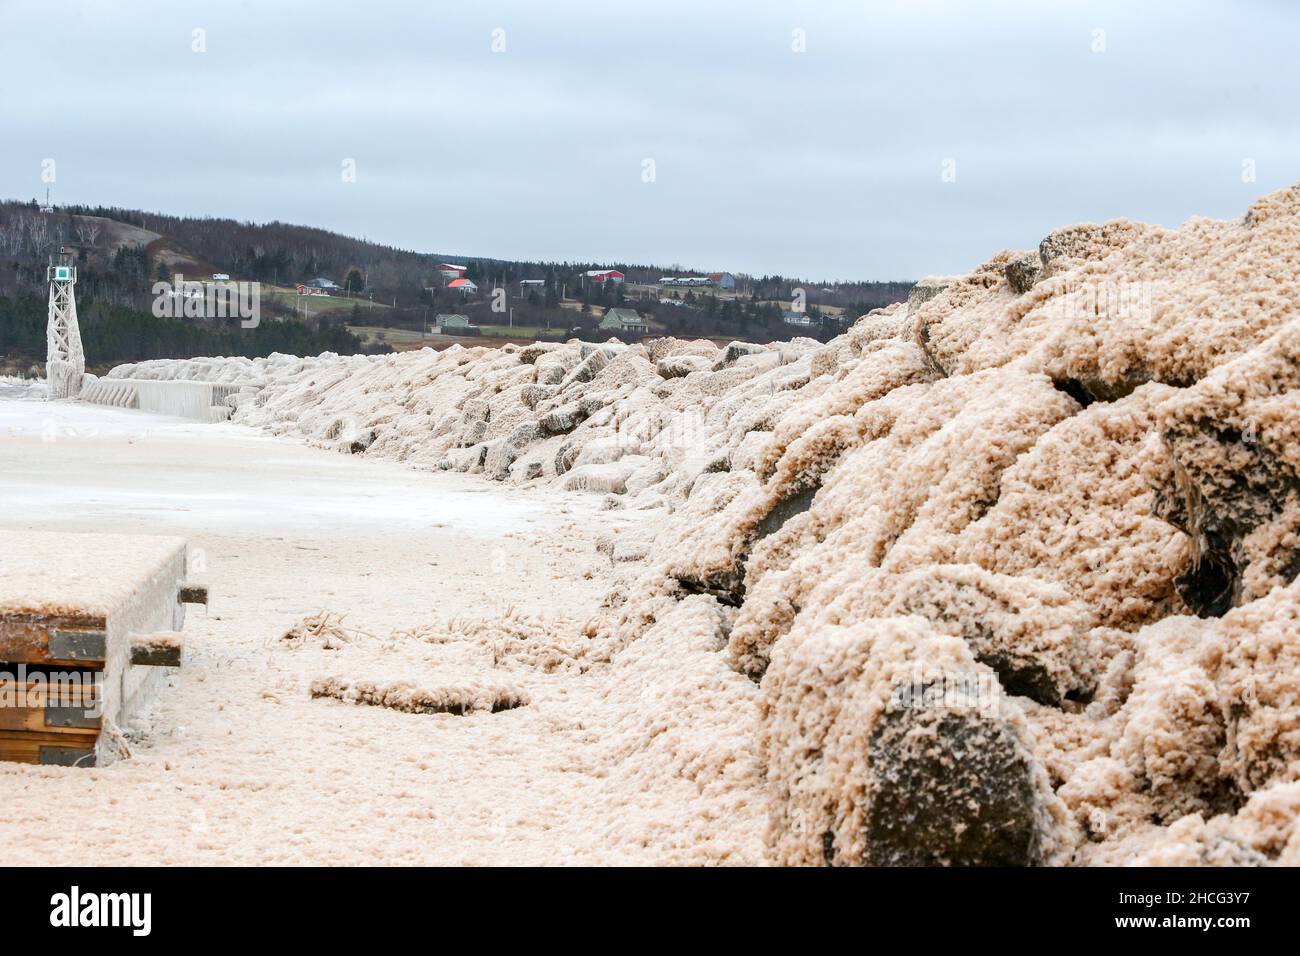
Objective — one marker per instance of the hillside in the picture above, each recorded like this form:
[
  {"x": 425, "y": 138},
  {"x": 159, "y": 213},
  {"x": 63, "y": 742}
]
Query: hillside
[{"x": 121, "y": 252}]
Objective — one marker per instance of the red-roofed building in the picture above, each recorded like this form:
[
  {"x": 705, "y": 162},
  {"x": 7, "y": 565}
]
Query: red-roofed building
[{"x": 601, "y": 276}]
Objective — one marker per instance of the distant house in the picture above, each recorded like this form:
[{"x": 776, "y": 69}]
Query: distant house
[
  {"x": 463, "y": 285},
  {"x": 454, "y": 324},
  {"x": 798, "y": 318},
  {"x": 601, "y": 276},
  {"x": 531, "y": 284},
  {"x": 626, "y": 321},
  {"x": 322, "y": 285},
  {"x": 449, "y": 270},
  {"x": 723, "y": 280},
  {"x": 220, "y": 277}
]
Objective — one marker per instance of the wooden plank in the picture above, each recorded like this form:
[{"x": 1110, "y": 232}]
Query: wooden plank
[
  {"x": 25, "y": 638},
  {"x": 54, "y": 705},
  {"x": 47, "y": 748}
]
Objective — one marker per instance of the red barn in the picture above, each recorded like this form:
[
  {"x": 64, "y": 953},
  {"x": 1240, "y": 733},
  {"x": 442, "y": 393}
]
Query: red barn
[{"x": 601, "y": 276}]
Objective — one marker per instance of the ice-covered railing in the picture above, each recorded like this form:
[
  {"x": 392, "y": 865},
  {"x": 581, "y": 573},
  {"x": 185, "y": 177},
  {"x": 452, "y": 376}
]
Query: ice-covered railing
[
  {"x": 203, "y": 389},
  {"x": 201, "y": 401}
]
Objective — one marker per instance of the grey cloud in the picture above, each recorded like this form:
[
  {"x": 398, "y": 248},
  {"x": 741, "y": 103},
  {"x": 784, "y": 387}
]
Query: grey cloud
[{"x": 823, "y": 164}]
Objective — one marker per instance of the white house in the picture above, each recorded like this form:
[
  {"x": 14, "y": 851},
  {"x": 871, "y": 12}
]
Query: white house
[
  {"x": 624, "y": 320},
  {"x": 451, "y": 321}
]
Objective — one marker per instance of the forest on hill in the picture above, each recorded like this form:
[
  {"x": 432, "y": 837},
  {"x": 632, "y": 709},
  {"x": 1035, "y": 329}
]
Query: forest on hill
[{"x": 120, "y": 254}]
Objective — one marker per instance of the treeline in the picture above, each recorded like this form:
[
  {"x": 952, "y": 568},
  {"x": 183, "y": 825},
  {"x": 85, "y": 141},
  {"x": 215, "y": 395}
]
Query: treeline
[
  {"x": 287, "y": 254},
  {"x": 112, "y": 334},
  {"x": 283, "y": 253},
  {"x": 567, "y": 279},
  {"x": 263, "y": 252},
  {"x": 118, "y": 270}
]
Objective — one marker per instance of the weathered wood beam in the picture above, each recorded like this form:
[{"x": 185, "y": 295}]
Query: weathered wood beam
[
  {"x": 162, "y": 649},
  {"x": 193, "y": 594}
]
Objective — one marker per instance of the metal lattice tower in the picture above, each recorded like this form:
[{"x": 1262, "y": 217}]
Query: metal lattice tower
[{"x": 65, "y": 362}]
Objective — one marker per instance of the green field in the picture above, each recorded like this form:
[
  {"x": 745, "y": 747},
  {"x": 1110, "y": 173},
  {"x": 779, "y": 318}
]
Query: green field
[
  {"x": 402, "y": 340},
  {"x": 523, "y": 331},
  {"x": 317, "y": 304}
]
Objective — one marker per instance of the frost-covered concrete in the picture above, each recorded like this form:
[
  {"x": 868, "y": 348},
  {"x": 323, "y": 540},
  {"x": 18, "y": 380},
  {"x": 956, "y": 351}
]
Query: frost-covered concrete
[{"x": 200, "y": 401}]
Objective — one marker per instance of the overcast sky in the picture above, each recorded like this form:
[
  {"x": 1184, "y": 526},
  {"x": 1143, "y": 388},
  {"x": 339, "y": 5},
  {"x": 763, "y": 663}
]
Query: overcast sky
[{"x": 822, "y": 164}]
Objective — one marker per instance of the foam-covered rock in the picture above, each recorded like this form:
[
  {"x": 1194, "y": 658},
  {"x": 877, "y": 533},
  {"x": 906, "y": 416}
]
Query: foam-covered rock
[{"x": 1074, "y": 495}]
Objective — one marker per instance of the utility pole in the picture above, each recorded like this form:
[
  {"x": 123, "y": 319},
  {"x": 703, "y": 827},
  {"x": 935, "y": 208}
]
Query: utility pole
[{"x": 65, "y": 362}]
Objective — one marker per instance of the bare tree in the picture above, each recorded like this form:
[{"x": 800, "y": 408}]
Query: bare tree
[
  {"x": 38, "y": 235},
  {"x": 87, "y": 230}
]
